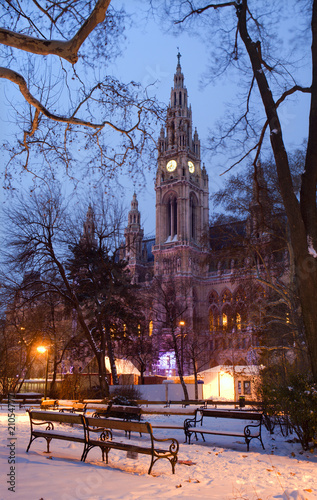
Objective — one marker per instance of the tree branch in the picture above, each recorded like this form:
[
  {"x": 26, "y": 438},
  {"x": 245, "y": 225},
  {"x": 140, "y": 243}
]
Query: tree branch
[
  {"x": 18, "y": 79},
  {"x": 67, "y": 50},
  {"x": 202, "y": 9}
]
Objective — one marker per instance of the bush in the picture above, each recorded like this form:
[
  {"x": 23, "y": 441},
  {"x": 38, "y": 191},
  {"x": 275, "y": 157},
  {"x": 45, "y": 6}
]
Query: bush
[
  {"x": 125, "y": 395},
  {"x": 294, "y": 395}
]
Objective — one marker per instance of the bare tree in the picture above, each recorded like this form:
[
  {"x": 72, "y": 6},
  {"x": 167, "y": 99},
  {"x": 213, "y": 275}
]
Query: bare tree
[
  {"x": 67, "y": 104},
  {"x": 197, "y": 351},
  {"x": 245, "y": 45},
  {"x": 38, "y": 238},
  {"x": 170, "y": 306},
  {"x": 137, "y": 344}
]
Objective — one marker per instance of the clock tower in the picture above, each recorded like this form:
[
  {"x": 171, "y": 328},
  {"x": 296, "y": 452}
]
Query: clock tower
[{"x": 182, "y": 195}]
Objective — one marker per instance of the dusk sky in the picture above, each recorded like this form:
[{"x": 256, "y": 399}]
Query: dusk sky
[{"x": 149, "y": 55}]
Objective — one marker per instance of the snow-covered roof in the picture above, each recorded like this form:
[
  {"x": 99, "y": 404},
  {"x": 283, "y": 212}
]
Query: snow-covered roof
[
  {"x": 124, "y": 367},
  {"x": 245, "y": 369}
]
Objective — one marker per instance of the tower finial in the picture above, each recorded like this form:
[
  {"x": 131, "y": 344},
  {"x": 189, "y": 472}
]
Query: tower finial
[{"x": 179, "y": 57}]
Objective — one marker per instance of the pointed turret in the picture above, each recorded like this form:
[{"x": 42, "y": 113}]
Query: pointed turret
[
  {"x": 88, "y": 237},
  {"x": 179, "y": 117},
  {"x": 134, "y": 233}
]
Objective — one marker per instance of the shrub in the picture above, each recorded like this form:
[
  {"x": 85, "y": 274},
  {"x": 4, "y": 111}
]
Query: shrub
[
  {"x": 295, "y": 396},
  {"x": 125, "y": 395}
]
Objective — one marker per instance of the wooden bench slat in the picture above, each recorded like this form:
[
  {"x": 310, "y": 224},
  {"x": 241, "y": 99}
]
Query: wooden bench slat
[
  {"x": 219, "y": 433},
  {"x": 239, "y": 414},
  {"x": 108, "y": 423},
  {"x": 53, "y": 416}
]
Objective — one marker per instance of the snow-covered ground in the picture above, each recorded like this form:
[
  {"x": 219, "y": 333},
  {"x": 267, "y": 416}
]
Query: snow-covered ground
[{"x": 219, "y": 469}]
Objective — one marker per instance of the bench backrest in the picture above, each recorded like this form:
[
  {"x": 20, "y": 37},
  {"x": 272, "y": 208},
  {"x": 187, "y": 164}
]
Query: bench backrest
[
  {"x": 132, "y": 410},
  {"x": 238, "y": 414},
  {"x": 54, "y": 416},
  {"x": 108, "y": 423}
]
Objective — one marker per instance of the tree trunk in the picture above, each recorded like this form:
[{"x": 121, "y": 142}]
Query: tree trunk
[
  {"x": 179, "y": 367},
  {"x": 53, "y": 384},
  {"x": 103, "y": 381},
  {"x": 299, "y": 217},
  {"x": 111, "y": 356},
  {"x": 196, "y": 378},
  {"x": 142, "y": 371}
]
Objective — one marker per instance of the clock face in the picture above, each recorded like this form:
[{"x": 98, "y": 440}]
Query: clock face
[
  {"x": 171, "y": 166},
  {"x": 191, "y": 167}
]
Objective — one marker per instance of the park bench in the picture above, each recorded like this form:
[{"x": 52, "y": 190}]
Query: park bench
[
  {"x": 126, "y": 413},
  {"x": 107, "y": 440},
  {"x": 24, "y": 399},
  {"x": 74, "y": 408},
  {"x": 48, "y": 404},
  {"x": 42, "y": 426},
  {"x": 250, "y": 431}
]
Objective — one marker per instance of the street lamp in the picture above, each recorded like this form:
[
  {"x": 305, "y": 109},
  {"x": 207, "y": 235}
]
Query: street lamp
[
  {"x": 182, "y": 324},
  {"x": 42, "y": 349}
]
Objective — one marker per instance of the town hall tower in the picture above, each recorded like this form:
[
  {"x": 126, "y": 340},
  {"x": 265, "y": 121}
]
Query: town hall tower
[{"x": 181, "y": 190}]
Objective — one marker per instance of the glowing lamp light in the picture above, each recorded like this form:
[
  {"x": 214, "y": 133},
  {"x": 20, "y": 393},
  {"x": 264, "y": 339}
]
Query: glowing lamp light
[{"x": 41, "y": 349}]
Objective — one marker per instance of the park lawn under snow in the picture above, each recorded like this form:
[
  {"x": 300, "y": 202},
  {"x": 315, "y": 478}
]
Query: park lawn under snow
[{"x": 220, "y": 469}]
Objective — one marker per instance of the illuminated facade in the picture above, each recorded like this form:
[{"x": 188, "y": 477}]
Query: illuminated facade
[{"x": 208, "y": 262}]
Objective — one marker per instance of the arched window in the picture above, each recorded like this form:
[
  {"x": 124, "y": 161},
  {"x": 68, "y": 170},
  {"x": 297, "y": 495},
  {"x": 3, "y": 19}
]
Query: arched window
[
  {"x": 226, "y": 296},
  {"x": 193, "y": 216},
  {"x": 213, "y": 297},
  {"x": 224, "y": 320},
  {"x": 170, "y": 205},
  {"x": 172, "y": 217},
  {"x": 238, "y": 321},
  {"x": 213, "y": 319},
  {"x": 239, "y": 295}
]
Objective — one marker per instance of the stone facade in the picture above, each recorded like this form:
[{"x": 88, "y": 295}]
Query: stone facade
[{"x": 207, "y": 262}]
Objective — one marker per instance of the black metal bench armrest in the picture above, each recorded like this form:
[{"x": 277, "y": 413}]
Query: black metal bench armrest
[
  {"x": 49, "y": 425},
  {"x": 104, "y": 434},
  {"x": 173, "y": 447},
  {"x": 247, "y": 431},
  {"x": 192, "y": 422}
]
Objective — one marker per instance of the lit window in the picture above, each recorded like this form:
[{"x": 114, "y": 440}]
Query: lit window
[
  {"x": 247, "y": 387},
  {"x": 238, "y": 321},
  {"x": 224, "y": 320},
  {"x": 211, "y": 322}
]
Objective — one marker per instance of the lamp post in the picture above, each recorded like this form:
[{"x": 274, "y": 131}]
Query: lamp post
[
  {"x": 182, "y": 324},
  {"x": 42, "y": 349}
]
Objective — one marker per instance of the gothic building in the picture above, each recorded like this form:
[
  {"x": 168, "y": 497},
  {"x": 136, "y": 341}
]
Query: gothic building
[
  {"x": 210, "y": 266},
  {"x": 183, "y": 249}
]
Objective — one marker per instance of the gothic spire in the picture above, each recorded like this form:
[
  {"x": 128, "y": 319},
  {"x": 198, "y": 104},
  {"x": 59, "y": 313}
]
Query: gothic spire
[
  {"x": 179, "y": 58},
  {"x": 88, "y": 237}
]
